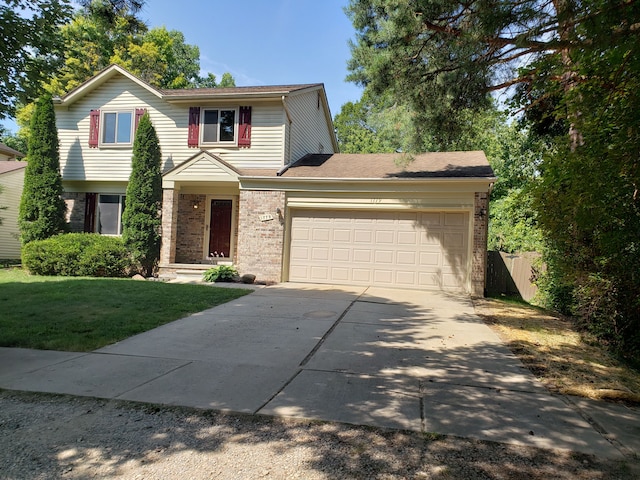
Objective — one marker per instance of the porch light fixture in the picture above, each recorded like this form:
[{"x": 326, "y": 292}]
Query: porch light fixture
[
  {"x": 195, "y": 204},
  {"x": 482, "y": 212}
]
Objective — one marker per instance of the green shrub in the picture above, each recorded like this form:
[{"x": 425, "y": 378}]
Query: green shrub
[
  {"x": 77, "y": 254},
  {"x": 220, "y": 273}
]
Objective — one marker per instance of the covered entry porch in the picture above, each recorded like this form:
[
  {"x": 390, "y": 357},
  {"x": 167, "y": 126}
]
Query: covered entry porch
[{"x": 200, "y": 212}]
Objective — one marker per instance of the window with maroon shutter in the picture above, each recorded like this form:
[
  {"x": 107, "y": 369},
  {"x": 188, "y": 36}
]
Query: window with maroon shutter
[
  {"x": 139, "y": 114},
  {"x": 194, "y": 127},
  {"x": 94, "y": 128},
  {"x": 90, "y": 212},
  {"x": 244, "y": 127}
]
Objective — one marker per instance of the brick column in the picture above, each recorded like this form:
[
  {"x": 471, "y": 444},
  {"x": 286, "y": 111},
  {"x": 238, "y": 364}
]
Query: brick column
[
  {"x": 480, "y": 231},
  {"x": 169, "y": 226},
  {"x": 260, "y": 241}
]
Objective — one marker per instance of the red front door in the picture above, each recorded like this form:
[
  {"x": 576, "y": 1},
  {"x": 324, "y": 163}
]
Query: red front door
[{"x": 220, "y": 228}]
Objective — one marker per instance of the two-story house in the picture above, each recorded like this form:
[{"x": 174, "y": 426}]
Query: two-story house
[{"x": 251, "y": 175}]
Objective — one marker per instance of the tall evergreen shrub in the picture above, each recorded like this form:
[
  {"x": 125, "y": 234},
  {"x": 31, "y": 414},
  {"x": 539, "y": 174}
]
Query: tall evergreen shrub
[
  {"x": 141, "y": 219},
  {"x": 42, "y": 209}
]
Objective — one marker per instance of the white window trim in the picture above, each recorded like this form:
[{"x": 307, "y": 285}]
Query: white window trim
[
  {"x": 121, "y": 205},
  {"x": 234, "y": 143},
  {"x": 116, "y": 144}
]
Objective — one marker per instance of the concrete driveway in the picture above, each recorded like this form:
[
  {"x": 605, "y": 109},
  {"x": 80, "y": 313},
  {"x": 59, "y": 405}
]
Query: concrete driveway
[{"x": 405, "y": 359}]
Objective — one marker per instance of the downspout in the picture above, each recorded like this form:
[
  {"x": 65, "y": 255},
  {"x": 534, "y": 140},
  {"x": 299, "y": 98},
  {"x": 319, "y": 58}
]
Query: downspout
[{"x": 286, "y": 110}]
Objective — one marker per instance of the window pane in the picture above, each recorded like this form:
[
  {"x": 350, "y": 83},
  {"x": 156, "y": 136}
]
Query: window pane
[
  {"x": 210, "y": 126},
  {"x": 227, "y": 125},
  {"x": 124, "y": 127},
  {"x": 108, "y": 214},
  {"x": 109, "y": 128}
]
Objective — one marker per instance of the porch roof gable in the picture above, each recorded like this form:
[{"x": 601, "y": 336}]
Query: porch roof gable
[{"x": 203, "y": 166}]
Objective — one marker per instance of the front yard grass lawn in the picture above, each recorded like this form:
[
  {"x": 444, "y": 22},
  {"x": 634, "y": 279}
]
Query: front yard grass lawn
[{"x": 80, "y": 314}]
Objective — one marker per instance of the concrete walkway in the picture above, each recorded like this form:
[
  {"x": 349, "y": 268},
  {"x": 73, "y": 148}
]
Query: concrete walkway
[{"x": 389, "y": 358}]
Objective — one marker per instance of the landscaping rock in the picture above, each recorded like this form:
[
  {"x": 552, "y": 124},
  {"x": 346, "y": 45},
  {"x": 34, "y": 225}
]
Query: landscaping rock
[
  {"x": 248, "y": 278},
  {"x": 137, "y": 276}
]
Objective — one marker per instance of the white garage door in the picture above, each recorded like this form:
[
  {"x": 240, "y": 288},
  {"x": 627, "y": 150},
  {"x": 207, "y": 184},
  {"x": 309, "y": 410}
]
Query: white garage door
[{"x": 403, "y": 249}]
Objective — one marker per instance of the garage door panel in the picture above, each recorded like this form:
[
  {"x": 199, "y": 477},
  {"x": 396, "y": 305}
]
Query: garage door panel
[
  {"x": 406, "y": 258},
  {"x": 340, "y": 274},
  {"x": 299, "y": 253},
  {"x": 363, "y": 256},
  {"x": 407, "y": 238},
  {"x": 455, "y": 219},
  {"x": 318, "y": 273},
  {"x": 383, "y": 256},
  {"x": 340, "y": 254},
  {"x": 385, "y": 236},
  {"x": 342, "y": 235},
  {"x": 383, "y": 276},
  {"x": 410, "y": 249},
  {"x": 320, "y": 253},
  {"x": 406, "y": 278},
  {"x": 363, "y": 236},
  {"x": 361, "y": 275},
  {"x": 320, "y": 234}
]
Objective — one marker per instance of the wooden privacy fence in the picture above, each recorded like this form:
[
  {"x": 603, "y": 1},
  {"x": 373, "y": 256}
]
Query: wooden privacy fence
[{"x": 510, "y": 274}]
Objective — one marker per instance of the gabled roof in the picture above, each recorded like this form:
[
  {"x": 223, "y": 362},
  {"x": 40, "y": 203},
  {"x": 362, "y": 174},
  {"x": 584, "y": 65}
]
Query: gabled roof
[
  {"x": 203, "y": 166},
  {"x": 7, "y": 166},
  {"x": 391, "y": 166},
  {"x": 102, "y": 77},
  {"x": 182, "y": 95},
  {"x": 10, "y": 151}
]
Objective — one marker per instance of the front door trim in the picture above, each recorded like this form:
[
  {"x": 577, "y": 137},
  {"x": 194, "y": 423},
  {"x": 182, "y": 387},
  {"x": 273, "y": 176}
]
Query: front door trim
[{"x": 207, "y": 226}]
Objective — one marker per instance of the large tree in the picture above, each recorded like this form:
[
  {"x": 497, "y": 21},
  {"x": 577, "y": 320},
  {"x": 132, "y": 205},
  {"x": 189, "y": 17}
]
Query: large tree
[
  {"x": 42, "y": 209},
  {"x": 572, "y": 68},
  {"x": 141, "y": 218},
  {"x": 31, "y": 48}
]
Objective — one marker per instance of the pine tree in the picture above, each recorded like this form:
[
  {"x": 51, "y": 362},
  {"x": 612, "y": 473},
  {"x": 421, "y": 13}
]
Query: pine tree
[
  {"x": 42, "y": 209},
  {"x": 141, "y": 218}
]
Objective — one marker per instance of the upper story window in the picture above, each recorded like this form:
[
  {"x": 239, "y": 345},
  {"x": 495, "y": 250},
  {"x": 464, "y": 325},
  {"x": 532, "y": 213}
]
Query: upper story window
[
  {"x": 117, "y": 128},
  {"x": 218, "y": 125},
  {"x": 113, "y": 128}
]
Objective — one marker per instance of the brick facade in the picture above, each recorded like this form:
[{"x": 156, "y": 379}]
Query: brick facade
[
  {"x": 190, "y": 228},
  {"x": 480, "y": 231},
  {"x": 261, "y": 241},
  {"x": 76, "y": 203}
]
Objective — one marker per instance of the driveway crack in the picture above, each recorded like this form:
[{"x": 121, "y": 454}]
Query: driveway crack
[{"x": 331, "y": 329}]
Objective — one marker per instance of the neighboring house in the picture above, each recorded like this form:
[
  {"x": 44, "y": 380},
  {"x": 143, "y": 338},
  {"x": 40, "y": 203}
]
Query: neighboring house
[
  {"x": 251, "y": 175},
  {"x": 11, "y": 182},
  {"x": 8, "y": 153}
]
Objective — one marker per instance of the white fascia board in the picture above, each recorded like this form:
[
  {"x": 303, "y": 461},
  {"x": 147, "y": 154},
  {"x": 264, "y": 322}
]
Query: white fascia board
[
  {"x": 472, "y": 184},
  {"x": 101, "y": 78}
]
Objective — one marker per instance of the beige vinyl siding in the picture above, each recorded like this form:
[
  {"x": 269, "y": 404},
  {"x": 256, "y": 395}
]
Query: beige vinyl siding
[
  {"x": 309, "y": 130},
  {"x": 11, "y": 183},
  {"x": 79, "y": 162}
]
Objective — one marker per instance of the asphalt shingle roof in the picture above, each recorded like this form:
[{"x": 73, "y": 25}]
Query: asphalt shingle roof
[{"x": 392, "y": 165}]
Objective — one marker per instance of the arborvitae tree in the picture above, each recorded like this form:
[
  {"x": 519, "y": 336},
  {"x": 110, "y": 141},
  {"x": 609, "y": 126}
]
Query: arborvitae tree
[
  {"x": 42, "y": 209},
  {"x": 141, "y": 218}
]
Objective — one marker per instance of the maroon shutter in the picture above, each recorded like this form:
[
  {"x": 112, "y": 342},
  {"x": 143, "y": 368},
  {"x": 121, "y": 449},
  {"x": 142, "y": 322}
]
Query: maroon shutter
[
  {"x": 94, "y": 128},
  {"x": 194, "y": 127},
  {"x": 90, "y": 212},
  {"x": 139, "y": 114},
  {"x": 244, "y": 127}
]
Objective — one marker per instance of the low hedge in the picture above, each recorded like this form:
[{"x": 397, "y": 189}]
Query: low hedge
[{"x": 77, "y": 255}]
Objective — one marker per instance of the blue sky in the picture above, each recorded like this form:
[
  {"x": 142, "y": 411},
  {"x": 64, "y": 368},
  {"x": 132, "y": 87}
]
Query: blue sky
[{"x": 265, "y": 42}]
